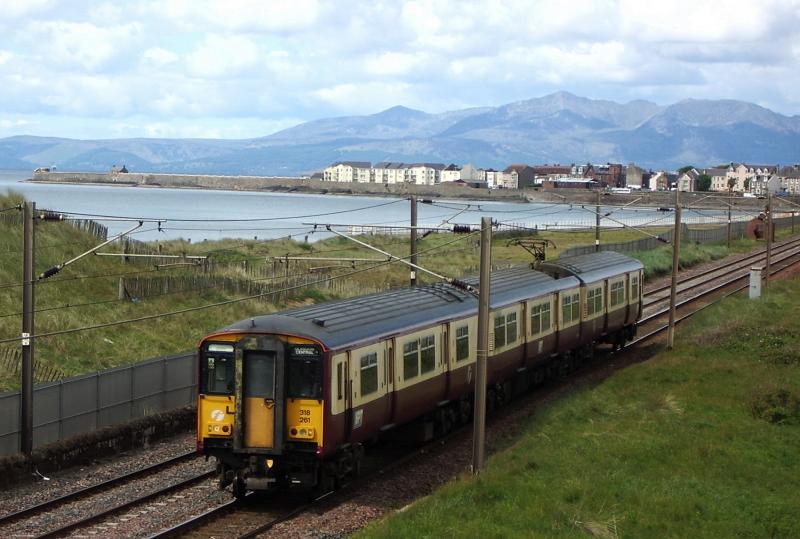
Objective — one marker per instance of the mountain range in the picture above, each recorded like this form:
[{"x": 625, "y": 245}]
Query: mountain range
[{"x": 556, "y": 128}]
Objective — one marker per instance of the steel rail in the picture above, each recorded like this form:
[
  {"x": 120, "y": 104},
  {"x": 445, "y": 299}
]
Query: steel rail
[
  {"x": 750, "y": 257},
  {"x": 83, "y": 522},
  {"x": 98, "y": 487},
  {"x": 682, "y": 317}
]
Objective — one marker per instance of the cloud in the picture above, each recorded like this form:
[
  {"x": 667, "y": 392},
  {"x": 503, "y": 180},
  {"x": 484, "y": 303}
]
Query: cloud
[
  {"x": 159, "y": 57},
  {"x": 14, "y": 9},
  {"x": 393, "y": 63},
  {"x": 5, "y": 56},
  {"x": 239, "y": 15},
  {"x": 219, "y": 56},
  {"x": 80, "y": 44}
]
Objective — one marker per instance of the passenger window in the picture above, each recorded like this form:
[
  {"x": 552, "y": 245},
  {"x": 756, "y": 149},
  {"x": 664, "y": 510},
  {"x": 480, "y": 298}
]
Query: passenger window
[
  {"x": 410, "y": 360},
  {"x": 570, "y": 308},
  {"x": 594, "y": 301},
  {"x": 427, "y": 354},
  {"x": 462, "y": 343},
  {"x": 617, "y": 293},
  {"x": 511, "y": 328},
  {"x": 634, "y": 288},
  {"x": 369, "y": 373},
  {"x": 499, "y": 331}
]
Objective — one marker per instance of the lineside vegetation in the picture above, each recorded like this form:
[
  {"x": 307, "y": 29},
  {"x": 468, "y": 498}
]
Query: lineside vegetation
[
  {"x": 86, "y": 292},
  {"x": 698, "y": 442}
]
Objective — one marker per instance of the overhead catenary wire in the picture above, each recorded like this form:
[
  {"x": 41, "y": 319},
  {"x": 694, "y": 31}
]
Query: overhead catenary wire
[
  {"x": 100, "y": 217},
  {"x": 227, "y": 302}
]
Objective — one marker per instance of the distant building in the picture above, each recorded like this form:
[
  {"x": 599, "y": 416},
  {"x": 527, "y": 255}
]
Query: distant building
[
  {"x": 389, "y": 173},
  {"x": 471, "y": 174},
  {"x": 119, "y": 169},
  {"x": 349, "y": 171},
  {"x": 451, "y": 173},
  {"x": 569, "y": 183},
  {"x": 608, "y": 175},
  {"x": 635, "y": 176},
  {"x": 744, "y": 175},
  {"x": 518, "y": 176},
  {"x": 790, "y": 179},
  {"x": 688, "y": 180},
  {"x": 424, "y": 173},
  {"x": 660, "y": 181},
  {"x": 493, "y": 178},
  {"x": 719, "y": 178}
]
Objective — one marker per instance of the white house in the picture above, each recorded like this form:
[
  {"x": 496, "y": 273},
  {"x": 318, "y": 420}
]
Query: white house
[
  {"x": 425, "y": 173},
  {"x": 349, "y": 171},
  {"x": 451, "y": 173},
  {"x": 387, "y": 172}
]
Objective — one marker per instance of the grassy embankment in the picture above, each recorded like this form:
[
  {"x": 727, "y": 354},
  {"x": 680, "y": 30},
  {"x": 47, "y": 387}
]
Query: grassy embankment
[
  {"x": 61, "y": 298},
  {"x": 698, "y": 442}
]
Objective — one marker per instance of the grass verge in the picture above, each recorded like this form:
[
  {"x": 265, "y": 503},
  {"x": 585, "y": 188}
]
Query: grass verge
[{"x": 698, "y": 442}]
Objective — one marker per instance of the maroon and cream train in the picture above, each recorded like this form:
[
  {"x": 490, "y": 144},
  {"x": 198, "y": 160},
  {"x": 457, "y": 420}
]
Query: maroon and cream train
[{"x": 290, "y": 399}]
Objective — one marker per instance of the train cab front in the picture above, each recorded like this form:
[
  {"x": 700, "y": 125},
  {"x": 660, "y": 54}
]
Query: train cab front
[{"x": 260, "y": 410}]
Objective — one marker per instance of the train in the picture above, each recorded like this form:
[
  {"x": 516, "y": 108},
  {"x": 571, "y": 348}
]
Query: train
[{"x": 291, "y": 400}]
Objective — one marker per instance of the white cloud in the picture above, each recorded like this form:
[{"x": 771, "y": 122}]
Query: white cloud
[
  {"x": 219, "y": 56},
  {"x": 14, "y": 9},
  {"x": 5, "y": 56},
  {"x": 393, "y": 63},
  {"x": 239, "y": 15},
  {"x": 8, "y": 124},
  {"x": 159, "y": 57},
  {"x": 82, "y": 45}
]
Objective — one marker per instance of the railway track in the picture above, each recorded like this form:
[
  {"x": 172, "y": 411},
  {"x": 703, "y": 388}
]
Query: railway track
[
  {"x": 32, "y": 522},
  {"x": 738, "y": 267},
  {"x": 251, "y": 516},
  {"x": 244, "y": 519}
]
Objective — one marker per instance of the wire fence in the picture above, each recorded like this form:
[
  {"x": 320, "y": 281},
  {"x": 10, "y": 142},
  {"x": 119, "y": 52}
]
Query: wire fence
[{"x": 85, "y": 403}]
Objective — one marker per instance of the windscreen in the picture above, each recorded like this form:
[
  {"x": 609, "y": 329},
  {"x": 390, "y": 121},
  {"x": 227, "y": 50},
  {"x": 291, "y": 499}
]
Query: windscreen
[
  {"x": 305, "y": 372},
  {"x": 217, "y": 368}
]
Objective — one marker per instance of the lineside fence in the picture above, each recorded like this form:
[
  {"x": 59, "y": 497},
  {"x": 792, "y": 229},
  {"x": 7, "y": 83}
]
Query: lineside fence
[
  {"x": 688, "y": 234},
  {"x": 86, "y": 403}
]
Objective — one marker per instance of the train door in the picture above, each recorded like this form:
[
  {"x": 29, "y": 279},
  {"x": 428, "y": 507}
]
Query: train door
[
  {"x": 389, "y": 367},
  {"x": 348, "y": 397},
  {"x": 444, "y": 360},
  {"x": 259, "y": 397}
]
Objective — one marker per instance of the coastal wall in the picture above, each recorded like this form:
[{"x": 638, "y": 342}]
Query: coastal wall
[
  {"x": 282, "y": 184},
  {"x": 445, "y": 190}
]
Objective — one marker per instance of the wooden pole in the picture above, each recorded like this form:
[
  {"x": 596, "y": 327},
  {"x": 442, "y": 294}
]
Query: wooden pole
[
  {"x": 676, "y": 255},
  {"x": 479, "y": 416}
]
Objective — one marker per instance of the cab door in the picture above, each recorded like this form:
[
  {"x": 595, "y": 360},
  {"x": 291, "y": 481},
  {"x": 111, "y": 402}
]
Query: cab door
[{"x": 259, "y": 397}]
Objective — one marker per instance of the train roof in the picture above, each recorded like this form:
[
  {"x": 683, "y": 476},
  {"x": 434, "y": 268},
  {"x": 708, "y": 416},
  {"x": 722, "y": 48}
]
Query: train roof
[
  {"x": 349, "y": 321},
  {"x": 591, "y": 267}
]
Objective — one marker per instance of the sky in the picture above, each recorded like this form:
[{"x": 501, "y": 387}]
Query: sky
[{"x": 248, "y": 68}]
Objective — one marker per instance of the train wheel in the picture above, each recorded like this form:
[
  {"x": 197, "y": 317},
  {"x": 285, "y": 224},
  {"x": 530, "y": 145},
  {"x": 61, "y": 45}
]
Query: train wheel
[{"x": 238, "y": 487}]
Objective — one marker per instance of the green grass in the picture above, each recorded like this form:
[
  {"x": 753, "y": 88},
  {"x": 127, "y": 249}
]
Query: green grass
[
  {"x": 89, "y": 351},
  {"x": 698, "y": 442}
]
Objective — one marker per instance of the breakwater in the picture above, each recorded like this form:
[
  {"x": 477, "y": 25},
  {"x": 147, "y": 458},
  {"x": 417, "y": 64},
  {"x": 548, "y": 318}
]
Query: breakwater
[{"x": 277, "y": 184}]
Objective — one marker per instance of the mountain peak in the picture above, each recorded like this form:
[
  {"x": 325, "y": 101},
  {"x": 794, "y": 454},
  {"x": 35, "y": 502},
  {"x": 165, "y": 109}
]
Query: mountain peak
[{"x": 399, "y": 112}]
